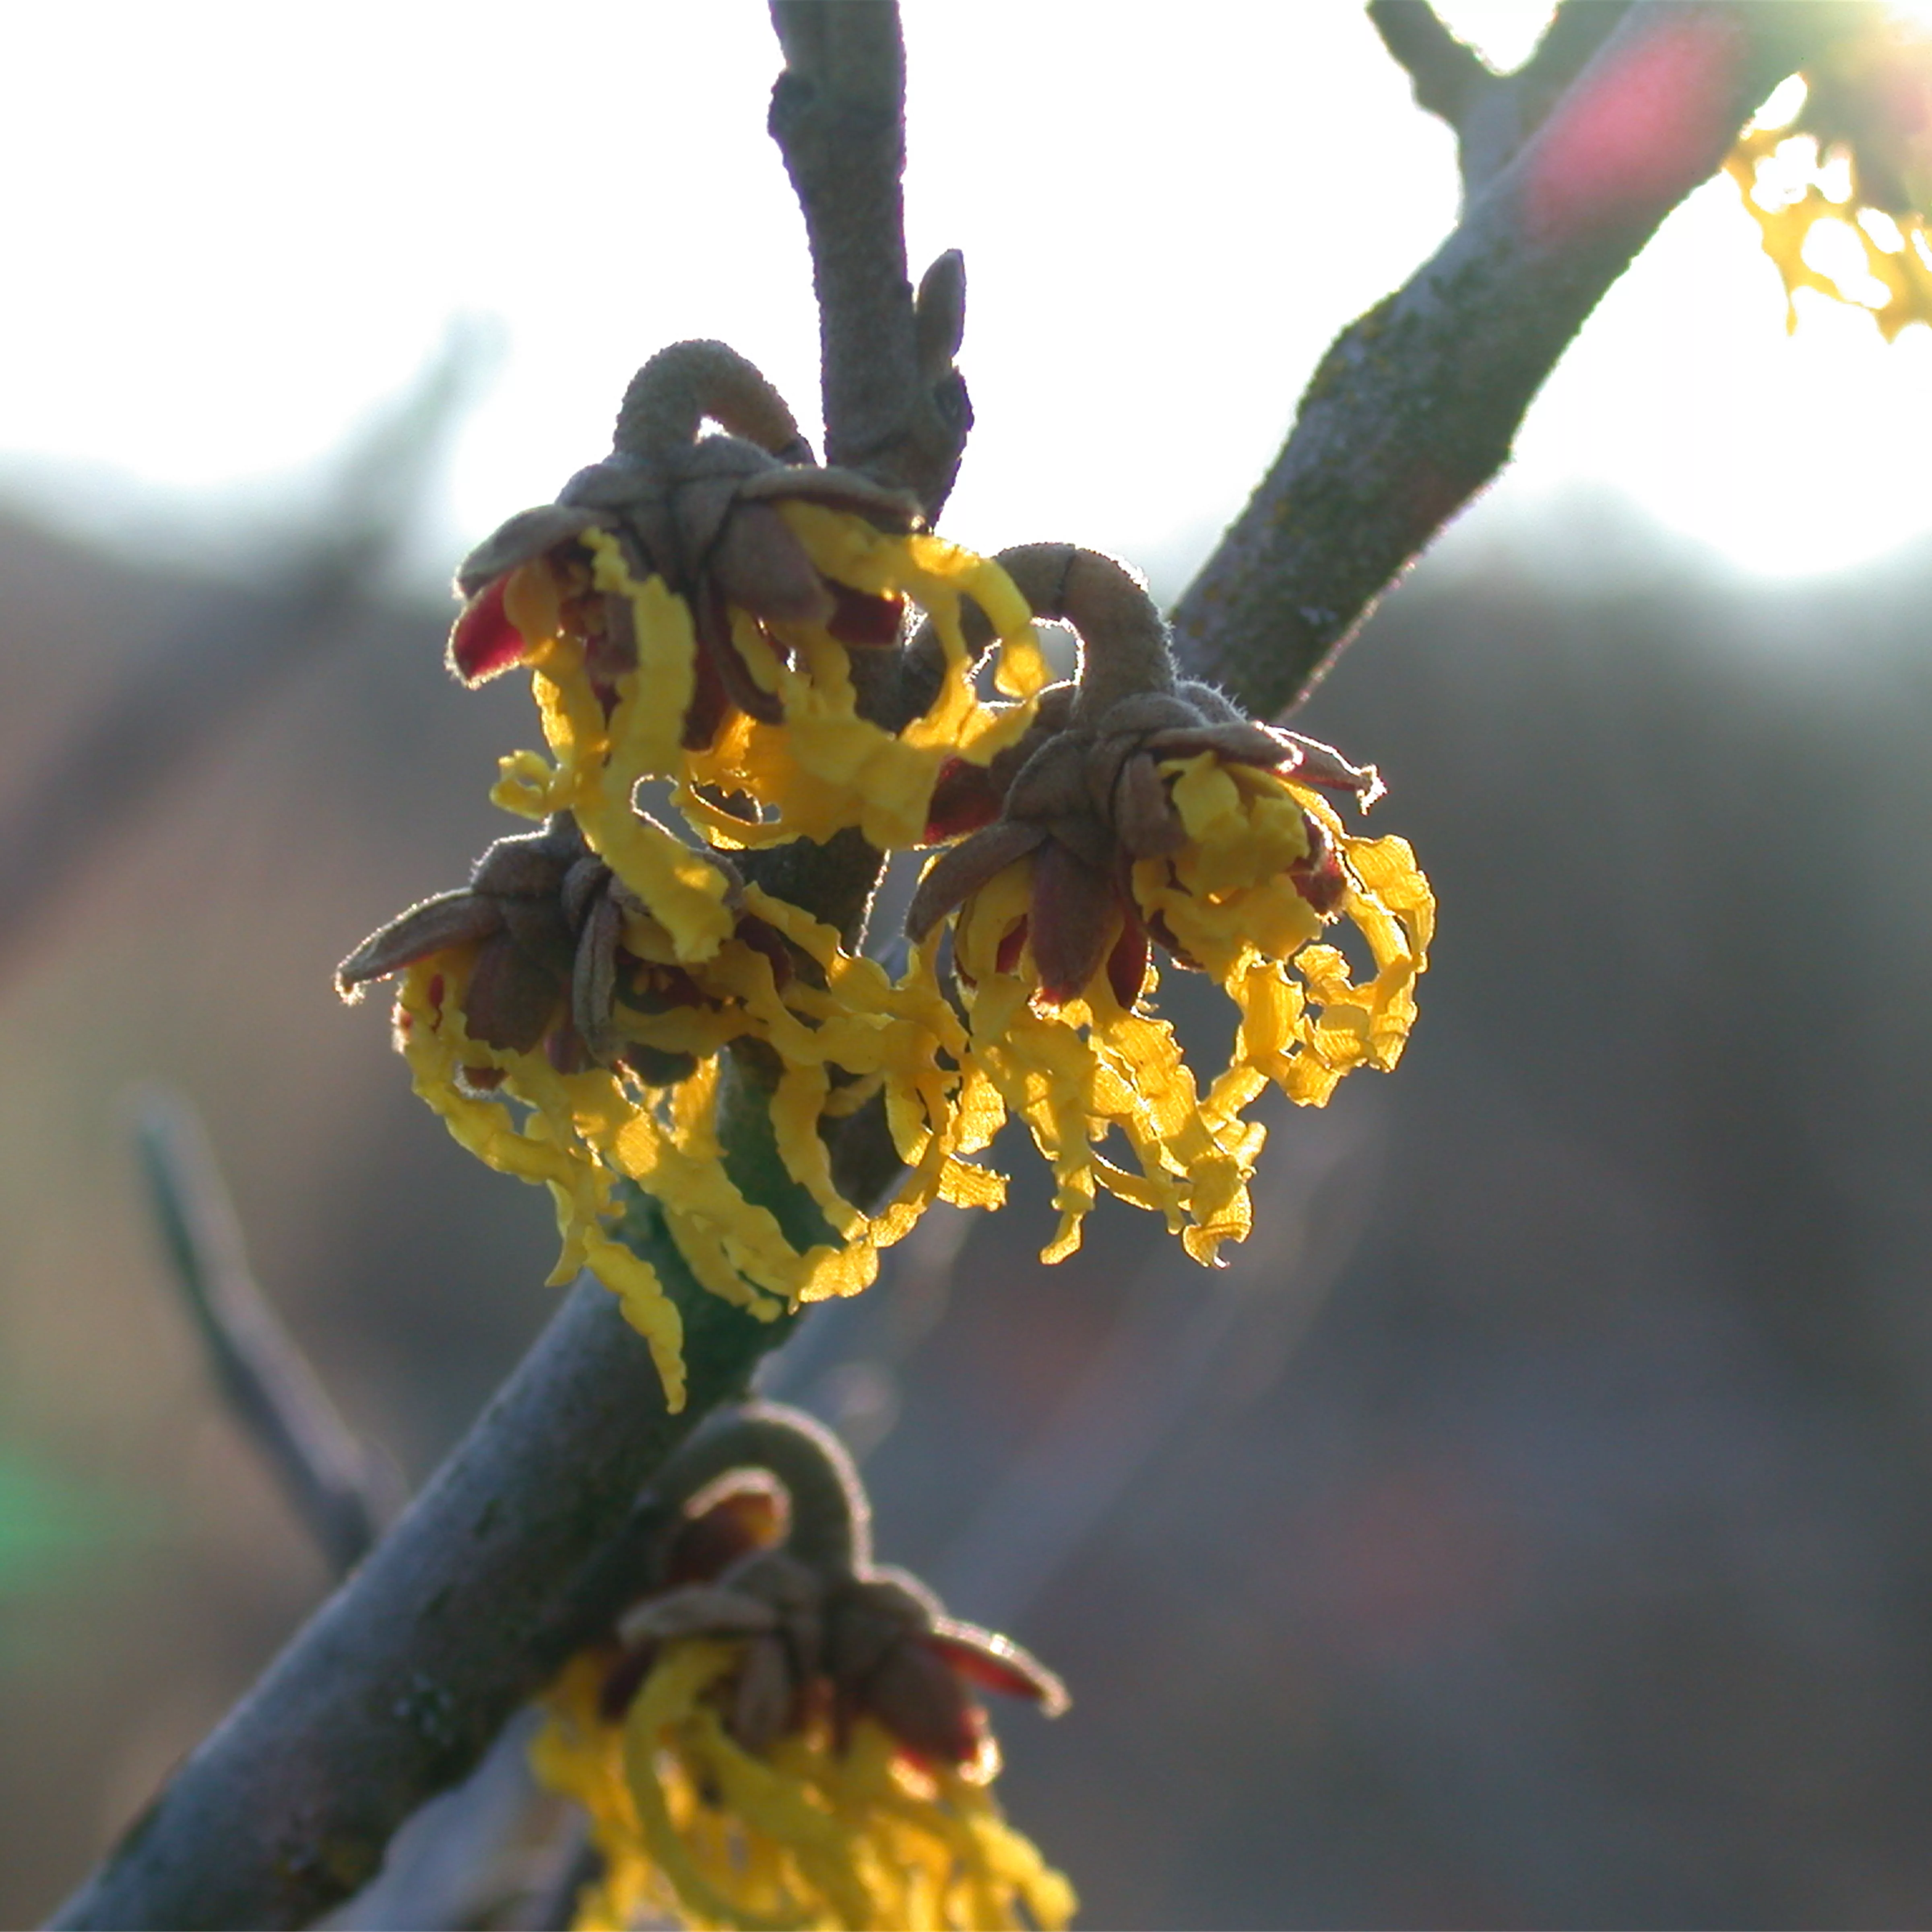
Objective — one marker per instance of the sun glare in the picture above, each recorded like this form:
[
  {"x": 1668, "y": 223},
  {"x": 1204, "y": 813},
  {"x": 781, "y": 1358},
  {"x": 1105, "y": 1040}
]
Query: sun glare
[
  {"x": 1782, "y": 108},
  {"x": 283, "y": 299}
]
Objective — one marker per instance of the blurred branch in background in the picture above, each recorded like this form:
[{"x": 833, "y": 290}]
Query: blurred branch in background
[
  {"x": 508, "y": 1561},
  {"x": 476, "y": 1846},
  {"x": 1416, "y": 406},
  {"x": 448, "y": 1865},
  {"x": 180, "y": 696},
  {"x": 342, "y": 1491}
]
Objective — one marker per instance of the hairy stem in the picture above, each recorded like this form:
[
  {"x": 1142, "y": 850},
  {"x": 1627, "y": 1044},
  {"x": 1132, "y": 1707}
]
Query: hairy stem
[
  {"x": 894, "y": 406},
  {"x": 831, "y": 1518}
]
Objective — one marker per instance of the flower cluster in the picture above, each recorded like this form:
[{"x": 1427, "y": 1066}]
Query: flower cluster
[
  {"x": 693, "y": 611},
  {"x": 780, "y": 1733},
  {"x": 1841, "y": 188},
  {"x": 784, "y": 653},
  {"x": 1144, "y": 813}
]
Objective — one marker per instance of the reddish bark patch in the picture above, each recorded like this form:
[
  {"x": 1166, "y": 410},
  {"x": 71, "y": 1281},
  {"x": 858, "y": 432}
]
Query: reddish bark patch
[{"x": 1645, "y": 124}]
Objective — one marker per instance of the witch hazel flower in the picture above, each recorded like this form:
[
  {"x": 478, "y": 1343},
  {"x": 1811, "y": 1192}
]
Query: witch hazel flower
[
  {"x": 696, "y": 609},
  {"x": 700, "y": 608},
  {"x": 548, "y": 1018},
  {"x": 1143, "y": 813},
  {"x": 780, "y": 1731},
  {"x": 1841, "y": 188}
]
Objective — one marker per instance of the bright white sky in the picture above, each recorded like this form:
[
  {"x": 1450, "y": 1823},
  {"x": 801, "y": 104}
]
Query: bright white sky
[{"x": 235, "y": 228}]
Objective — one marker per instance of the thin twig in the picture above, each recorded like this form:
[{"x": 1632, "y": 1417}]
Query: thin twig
[
  {"x": 894, "y": 404},
  {"x": 334, "y": 1482},
  {"x": 1143, "y": 1382},
  {"x": 342, "y": 1494},
  {"x": 1448, "y": 74},
  {"x": 519, "y": 1548},
  {"x": 1415, "y": 407}
]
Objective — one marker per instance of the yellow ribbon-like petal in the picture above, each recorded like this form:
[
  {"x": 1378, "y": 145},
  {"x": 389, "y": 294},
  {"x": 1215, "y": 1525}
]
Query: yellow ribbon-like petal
[
  {"x": 1087, "y": 1070},
  {"x": 808, "y": 1836}
]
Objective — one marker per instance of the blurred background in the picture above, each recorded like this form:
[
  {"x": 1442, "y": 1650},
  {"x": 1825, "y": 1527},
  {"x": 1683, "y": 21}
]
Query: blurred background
[{"x": 1531, "y": 1527}]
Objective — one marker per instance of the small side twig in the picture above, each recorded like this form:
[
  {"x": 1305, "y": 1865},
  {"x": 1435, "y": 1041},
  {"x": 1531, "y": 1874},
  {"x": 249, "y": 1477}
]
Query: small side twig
[
  {"x": 1492, "y": 114},
  {"x": 1449, "y": 75},
  {"x": 337, "y": 1487}
]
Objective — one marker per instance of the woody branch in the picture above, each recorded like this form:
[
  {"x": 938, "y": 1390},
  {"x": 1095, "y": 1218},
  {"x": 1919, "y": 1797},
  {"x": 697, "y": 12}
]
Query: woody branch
[
  {"x": 515, "y": 1551},
  {"x": 1415, "y": 408}
]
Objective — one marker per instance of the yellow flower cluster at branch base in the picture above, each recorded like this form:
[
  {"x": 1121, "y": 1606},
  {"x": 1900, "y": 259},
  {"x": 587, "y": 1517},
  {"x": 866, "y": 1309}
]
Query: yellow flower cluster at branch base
[{"x": 691, "y": 1824}]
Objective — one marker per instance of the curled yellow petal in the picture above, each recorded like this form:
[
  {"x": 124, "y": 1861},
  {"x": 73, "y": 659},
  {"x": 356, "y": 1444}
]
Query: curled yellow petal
[
  {"x": 826, "y": 767},
  {"x": 1239, "y": 899}
]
